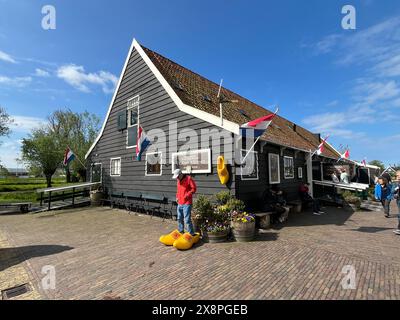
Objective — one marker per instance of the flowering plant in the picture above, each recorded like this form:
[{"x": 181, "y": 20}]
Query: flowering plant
[
  {"x": 215, "y": 226},
  {"x": 242, "y": 217}
]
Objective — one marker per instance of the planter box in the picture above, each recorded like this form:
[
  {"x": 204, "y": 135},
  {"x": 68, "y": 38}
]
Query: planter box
[
  {"x": 243, "y": 232},
  {"x": 215, "y": 237},
  {"x": 96, "y": 198}
]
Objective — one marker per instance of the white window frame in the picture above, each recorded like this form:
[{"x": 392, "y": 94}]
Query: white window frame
[
  {"x": 208, "y": 170},
  {"x": 284, "y": 173},
  {"x": 128, "y": 118},
  {"x": 270, "y": 156},
  {"x": 241, "y": 167},
  {"x": 300, "y": 172},
  {"x": 120, "y": 167},
  {"x": 161, "y": 166},
  {"x": 101, "y": 171}
]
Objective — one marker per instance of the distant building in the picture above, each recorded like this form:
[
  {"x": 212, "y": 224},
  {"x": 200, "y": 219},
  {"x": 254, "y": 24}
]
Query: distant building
[{"x": 18, "y": 172}]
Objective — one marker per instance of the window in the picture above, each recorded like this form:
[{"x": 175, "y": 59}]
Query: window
[
  {"x": 115, "y": 167},
  {"x": 192, "y": 161},
  {"x": 249, "y": 170},
  {"x": 133, "y": 121},
  {"x": 153, "y": 164},
  {"x": 300, "y": 172},
  {"x": 274, "y": 168},
  {"x": 288, "y": 167},
  {"x": 96, "y": 172}
]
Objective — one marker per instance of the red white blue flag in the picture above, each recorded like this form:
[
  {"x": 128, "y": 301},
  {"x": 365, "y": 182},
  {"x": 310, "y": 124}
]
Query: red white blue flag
[
  {"x": 142, "y": 143},
  {"x": 257, "y": 127},
  {"x": 68, "y": 156},
  {"x": 321, "y": 146}
]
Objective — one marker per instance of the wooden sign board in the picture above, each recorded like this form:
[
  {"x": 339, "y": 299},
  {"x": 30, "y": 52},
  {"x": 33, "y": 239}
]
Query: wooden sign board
[{"x": 192, "y": 161}]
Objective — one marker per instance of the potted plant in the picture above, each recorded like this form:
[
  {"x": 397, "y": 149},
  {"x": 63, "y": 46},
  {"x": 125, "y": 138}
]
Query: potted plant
[
  {"x": 96, "y": 196},
  {"x": 215, "y": 227},
  {"x": 352, "y": 200},
  {"x": 243, "y": 226},
  {"x": 202, "y": 208}
]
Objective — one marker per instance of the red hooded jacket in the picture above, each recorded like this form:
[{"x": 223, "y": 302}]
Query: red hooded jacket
[{"x": 185, "y": 190}]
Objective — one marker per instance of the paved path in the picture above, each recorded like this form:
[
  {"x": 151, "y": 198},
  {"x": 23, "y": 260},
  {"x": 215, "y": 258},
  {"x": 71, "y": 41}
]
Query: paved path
[{"x": 108, "y": 254}]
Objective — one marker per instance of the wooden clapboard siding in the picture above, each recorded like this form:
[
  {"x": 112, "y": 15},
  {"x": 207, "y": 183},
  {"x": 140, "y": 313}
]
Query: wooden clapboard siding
[
  {"x": 155, "y": 111},
  {"x": 252, "y": 190}
]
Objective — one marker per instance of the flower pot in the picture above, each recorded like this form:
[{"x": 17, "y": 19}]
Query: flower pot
[
  {"x": 243, "y": 231},
  {"x": 215, "y": 237},
  {"x": 196, "y": 224},
  {"x": 96, "y": 198}
]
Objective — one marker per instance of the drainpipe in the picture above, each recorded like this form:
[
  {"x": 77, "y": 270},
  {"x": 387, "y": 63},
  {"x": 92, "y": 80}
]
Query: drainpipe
[{"x": 310, "y": 173}]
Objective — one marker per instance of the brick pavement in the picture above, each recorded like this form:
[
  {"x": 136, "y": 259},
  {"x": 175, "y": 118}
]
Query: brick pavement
[{"x": 99, "y": 253}]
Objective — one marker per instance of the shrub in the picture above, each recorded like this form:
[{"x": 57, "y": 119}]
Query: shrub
[
  {"x": 202, "y": 207},
  {"x": 235, "y": 205},
  {"x": 223, "y": 197}
]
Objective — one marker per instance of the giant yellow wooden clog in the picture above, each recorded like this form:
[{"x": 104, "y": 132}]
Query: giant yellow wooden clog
[
  {"x": 186, "y": 241},
  {"x": 170, "y": 238},
  {"x": 223, "y": 173}
]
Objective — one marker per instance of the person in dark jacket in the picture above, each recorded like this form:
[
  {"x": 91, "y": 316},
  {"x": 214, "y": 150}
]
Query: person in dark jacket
[
  {"x": 384, "y": 194},
  {"x": 306, "y": 198},
  {"x": 396, "y": 192}
]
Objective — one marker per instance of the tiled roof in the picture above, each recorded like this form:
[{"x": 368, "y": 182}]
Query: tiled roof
[{"x": 201, "y": 93}]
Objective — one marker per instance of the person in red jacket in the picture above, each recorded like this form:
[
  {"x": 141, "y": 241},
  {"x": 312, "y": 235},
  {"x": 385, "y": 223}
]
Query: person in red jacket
[{"x": 185, "y": 189}]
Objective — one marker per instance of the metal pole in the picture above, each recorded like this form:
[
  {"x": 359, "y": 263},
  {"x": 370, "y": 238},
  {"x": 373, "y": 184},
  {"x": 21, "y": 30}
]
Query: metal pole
[
  {"x": 49, "y": 207},
  {"x": 244, "y": 159}
]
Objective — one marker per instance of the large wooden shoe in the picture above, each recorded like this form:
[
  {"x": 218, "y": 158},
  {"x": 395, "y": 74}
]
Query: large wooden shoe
[
  {"x": 170, "y": 238},
  {"x": 186, "y": 241}
]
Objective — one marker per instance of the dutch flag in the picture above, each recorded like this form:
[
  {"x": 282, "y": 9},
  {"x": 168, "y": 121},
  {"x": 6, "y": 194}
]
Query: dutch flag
[
  {"x": 321, "y": 146},
  {"x": 142, "y": 143},
  {"x": 68, "y": 156},
  {"x": 256, "y": 127}
]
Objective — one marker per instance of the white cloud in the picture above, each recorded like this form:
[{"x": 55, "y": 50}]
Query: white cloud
[
  {"x": 6, "y": 57},
  {"x": 77, "y": 77},
  {"x": 41, "y": 73},
  {"x": 15, "y": 81},
  {"x": 26, "y": 124}
]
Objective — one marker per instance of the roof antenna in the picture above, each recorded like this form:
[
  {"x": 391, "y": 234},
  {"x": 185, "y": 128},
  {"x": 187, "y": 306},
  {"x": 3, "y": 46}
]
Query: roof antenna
[{"x": 220, "y": 103}]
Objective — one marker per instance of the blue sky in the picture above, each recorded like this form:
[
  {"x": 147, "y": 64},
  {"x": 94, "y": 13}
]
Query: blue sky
[{"x": 291, "y": 53}]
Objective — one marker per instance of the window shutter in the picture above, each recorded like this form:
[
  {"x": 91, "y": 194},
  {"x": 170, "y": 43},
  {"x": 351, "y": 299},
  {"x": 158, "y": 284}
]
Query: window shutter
[{"x": 122, "y": 120}]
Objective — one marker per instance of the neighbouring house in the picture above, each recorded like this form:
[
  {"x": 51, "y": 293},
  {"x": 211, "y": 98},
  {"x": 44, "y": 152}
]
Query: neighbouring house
[
  {"x": 161, "y": 96},
  {"x": 17, "y": 172}
]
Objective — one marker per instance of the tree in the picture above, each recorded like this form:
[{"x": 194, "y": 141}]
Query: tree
[
  {"x": 5, "y": 122},
  {"x": 40, "y": 149},
  {"x": 77, "y": 131},
  {"x": 377, "y": 163}
]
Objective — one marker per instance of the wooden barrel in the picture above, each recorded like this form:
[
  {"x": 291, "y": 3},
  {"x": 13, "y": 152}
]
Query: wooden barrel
[
  {"x": 243, "y": 232},
  {"x": 214, "y": 237}
]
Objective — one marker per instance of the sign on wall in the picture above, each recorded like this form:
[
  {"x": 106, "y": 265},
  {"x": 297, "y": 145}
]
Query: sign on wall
[{"x": 192, "y": 161}]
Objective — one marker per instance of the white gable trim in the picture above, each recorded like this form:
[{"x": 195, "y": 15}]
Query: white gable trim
[
  {"x": 112, "y": 102},
  {"x": 205, "y": 116}
]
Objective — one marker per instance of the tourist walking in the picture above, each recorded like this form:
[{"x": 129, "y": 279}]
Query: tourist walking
[
  {"x": 384, "y": 194},
  {"x": 396, "y": 189}
]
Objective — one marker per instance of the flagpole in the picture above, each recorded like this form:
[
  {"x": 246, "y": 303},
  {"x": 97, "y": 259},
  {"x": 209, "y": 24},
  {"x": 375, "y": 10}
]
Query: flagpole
[
  {"x": 245, "y": 157},
  {"x": 77, "y": 157}
]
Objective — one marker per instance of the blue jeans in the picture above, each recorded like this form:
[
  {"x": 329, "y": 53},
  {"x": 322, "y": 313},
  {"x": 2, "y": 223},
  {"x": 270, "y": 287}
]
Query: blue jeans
[
  {"x": 398, "y": 206},
  {"x": 184, "y": 216}
]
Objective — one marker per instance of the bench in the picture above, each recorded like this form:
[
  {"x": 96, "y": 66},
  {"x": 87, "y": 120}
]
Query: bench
[
  {"x": 264, "y": 219},
  {"x": 155, "y": 202},
  {"x": 116, "y": 199},
  {"x": 134, "y": 200},
  {"x": 22, "y": 206},
  {"x": 296, "y": 206}
]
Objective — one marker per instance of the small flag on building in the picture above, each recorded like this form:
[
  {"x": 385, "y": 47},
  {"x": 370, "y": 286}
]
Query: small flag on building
[
  {"x": 346, "y": 154},
  {"x": 364, "y": 162},
  {"x": 68, "y": 156},
  {"x": 321, "y": 146},
  {"x": 258, "y": 126},
  {"x": 142, "y": 143}
]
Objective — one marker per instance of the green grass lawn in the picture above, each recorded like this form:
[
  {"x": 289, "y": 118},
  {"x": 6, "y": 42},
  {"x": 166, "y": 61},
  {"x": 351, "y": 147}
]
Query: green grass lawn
[{"x": 24, "y": 190}]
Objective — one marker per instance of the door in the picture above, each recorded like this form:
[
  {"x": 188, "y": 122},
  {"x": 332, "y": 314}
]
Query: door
[{"x": 96, "y": 172}]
